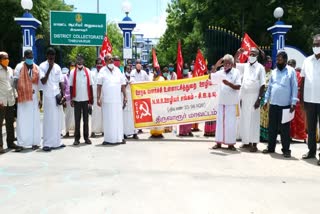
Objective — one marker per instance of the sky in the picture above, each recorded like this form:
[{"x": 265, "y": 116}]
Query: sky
[{"x": 150, "y": 15}]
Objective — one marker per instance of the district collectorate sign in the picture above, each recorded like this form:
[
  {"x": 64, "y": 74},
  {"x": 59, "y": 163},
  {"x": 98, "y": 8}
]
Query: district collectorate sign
[{"x": 72, "y": 28}]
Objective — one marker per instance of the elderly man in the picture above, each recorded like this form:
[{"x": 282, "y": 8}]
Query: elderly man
[
  {"x": 281, "y": 94},
  {"x": 28, "y": 118},
  {"x": 252, "y": 89},
  {"x": 111, "y": 82},
  {"x": 228, "y": 100},
  {"x": 7, "y": 101},
  {"x": 52, "y": 80},
  {"x": 80, "y": 81},
  {"x": 310, "y": 95}
]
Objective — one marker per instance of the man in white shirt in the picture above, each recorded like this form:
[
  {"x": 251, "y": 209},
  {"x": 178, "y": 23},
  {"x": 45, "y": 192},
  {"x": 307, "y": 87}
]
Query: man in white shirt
[
  {"x": 96, "y": 117},
  {"x": 310, "y": 88},
  {"x": 111, "y": 82},
  {"x": 252, "y": 88},
  {"x": 80, "y": 82},
  {"x": 227, "y": 100},
  {"x": 52, "y": 80},
  {"x": 138, "y": 74},
  {"x": 7, "y": 101}
]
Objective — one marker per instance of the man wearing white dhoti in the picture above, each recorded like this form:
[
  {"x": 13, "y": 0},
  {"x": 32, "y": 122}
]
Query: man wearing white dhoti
[
  {"x": 252, "y": 88},
  {"x": 28, "y": 115},
  {"x": 96, "y": 117},
  {"x": 128, "y": 120},
  {"x": 112, "y": 82},
  {"x": 227, "y": 100},
  {"x": 52, "y": 81}
]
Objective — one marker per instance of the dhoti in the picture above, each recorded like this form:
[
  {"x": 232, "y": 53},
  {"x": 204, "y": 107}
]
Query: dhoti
[
  {"x": 112, "y": 122},
  {"x": 96, "y": 118},
  {"x": 226, "y": 125}
]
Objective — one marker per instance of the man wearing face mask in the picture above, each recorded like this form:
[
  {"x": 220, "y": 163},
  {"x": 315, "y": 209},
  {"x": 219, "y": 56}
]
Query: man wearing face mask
[
  {"x": 310, "y": 88},
  {"x": 82, "y": 96},
  {"x": 128, "y": 120},
  {"x": 7, "y": 101},
  {"x": 52, "y": 84},
  {"x": 96, "y": 118},
  {"x": 138, "y": 74},
  {"x": 281, "y": 94},
  {"x": 251, "y": 92},
  {"x": 111, "y": 83},
  {"x": 172, "y": 75},
  {"x": 227, "y": 101},
  {"x": 28, "y": 118}
]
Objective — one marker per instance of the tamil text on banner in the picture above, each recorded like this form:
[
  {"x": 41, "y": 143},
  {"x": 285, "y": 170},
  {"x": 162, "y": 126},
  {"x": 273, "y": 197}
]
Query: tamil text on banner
[{"x": 174, "y": 102}]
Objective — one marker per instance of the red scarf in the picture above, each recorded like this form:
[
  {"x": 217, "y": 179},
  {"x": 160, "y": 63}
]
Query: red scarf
[{"x": 75, "y": 83}]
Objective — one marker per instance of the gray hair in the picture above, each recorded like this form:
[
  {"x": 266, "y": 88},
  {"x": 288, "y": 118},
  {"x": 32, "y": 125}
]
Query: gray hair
[
  {"x": 317, "y": 36},
  {"x": 229, "y": 58}
]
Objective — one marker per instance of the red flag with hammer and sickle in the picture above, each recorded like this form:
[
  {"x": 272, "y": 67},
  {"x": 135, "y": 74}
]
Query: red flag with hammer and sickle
[
  {"x": 247, "y": 44},
  {"x": 200, "y": 66},
  {"x": 105, "y": 48}
]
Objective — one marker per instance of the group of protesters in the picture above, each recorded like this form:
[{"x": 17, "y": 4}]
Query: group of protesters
[{"x": 252, "y": 91}]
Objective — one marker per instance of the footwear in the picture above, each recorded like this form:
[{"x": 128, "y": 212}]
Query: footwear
[
  {"x": 104, "y": 143},
  {"x": 66, "y": 135},
  {"x": 88, "y": 141},
  {"x": 232, "y": 148},
  {"x": 93, "y": 135},
  {"x": 123, "y": 142},
  {"x": 253, "y": 149},
  {"x": 135, "y": 136},
  {"x": 125, "y": 136},
  {"x": 217, "y": 146},
  {"x": 190, "y": 134},
  {"x": 196, "y": 130},
  {"x": 46, "y": 149},
  {"x": 267, "y": 151},
  {"x": 76, "y": 143},
  {"x": 35, "y": 147},
  {"x": 245, "y": 146},
  {"x": 140, "y": 131},
  {"x": 308, "y": 156},
  {"x": 287, "y": 154},
  {"x": 15, "y": 147}
]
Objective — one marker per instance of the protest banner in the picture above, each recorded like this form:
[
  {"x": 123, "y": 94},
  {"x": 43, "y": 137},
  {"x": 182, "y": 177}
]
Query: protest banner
[{"x": 172, "y": 102}]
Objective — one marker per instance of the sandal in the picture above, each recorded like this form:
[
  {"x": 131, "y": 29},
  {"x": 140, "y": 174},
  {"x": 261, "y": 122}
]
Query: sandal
[
  {"x": 217, "y": 146},
  {"x": 232, "y": 148}
]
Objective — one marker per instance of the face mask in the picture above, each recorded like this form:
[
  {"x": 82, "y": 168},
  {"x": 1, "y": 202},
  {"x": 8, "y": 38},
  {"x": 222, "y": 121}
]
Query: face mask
[
  {"x": 252, "y": 59},
  {"x": 117, "y": 63},
  {"x": 185, "y": 71},
  {"x": 268, "y": 65},
  {"x": 227, "y": 68},
  {"x": 316, "y": 50},
  {"x": 99, "y": 67},
  {"x": 5, "y": 62},
  {"x": 191, "y": 67},
  {"x": 80, "y": 66},
  {"x": 165, "y": 74},
  {"x": 111, "y": 66},
  {"x": 171, "y": 69},
  {"x": 29, "y": 61},
  {"x": 281, "y": 66}
]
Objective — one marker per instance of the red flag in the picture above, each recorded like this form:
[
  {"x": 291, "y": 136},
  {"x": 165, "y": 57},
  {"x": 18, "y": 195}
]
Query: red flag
[
  {"x": 179, "y": 61},
  {"x": 155, "y": 60},
  {"x": 200, "y": 66},
  {"x": 247, "y": 44},
  {"x": 106, "y": 48}
]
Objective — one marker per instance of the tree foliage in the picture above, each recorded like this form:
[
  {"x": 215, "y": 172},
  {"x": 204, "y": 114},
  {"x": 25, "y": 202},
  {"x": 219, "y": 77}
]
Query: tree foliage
[{"x": 188, "y": 21}]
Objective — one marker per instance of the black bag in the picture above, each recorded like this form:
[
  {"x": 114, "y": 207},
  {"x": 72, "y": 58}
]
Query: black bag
[{"x": 60, "y": 99}]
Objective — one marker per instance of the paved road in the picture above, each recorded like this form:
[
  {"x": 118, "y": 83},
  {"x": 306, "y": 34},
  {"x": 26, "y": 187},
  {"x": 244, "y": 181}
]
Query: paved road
[{"x": 152, "y": 177}]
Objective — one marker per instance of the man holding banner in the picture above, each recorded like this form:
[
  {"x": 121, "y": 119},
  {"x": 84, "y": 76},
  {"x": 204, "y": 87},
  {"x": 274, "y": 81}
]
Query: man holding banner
[{"x": 227, "y": 101}]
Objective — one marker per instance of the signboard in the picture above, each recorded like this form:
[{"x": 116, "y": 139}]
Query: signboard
[
  {"x": 182, "y": 101},
  {"x": 71, "y": 28}
]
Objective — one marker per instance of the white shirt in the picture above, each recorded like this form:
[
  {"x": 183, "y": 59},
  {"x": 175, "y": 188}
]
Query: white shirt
[
  {"x": 111, "y": 84},
  {"x": 142, "y": 76},
  {"x": 81, "y": 84},
  {"x": 311, "y": 73},
  {"x": 227, "y": 95},
  {"x": 7, "y": 92},
  {"x": 51, "y": 88},
  {"x": 172, "y": 76},
  {"x": 253, "y": 77}
]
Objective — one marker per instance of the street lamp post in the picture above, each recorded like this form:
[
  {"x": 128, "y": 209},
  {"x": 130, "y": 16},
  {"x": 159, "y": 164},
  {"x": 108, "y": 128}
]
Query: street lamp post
[
  {"x": 29, "y": 25},
  {"x": 127, "y": 26},
  {"x": 278, "y": 31}
]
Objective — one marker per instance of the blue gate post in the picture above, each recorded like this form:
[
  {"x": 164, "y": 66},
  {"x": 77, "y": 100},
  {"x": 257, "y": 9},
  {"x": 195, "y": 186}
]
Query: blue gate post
[
  {"x": 278, "y": 31},
  {"x": 29, "y": 25},
  {"x": 127, "y": 26}
]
